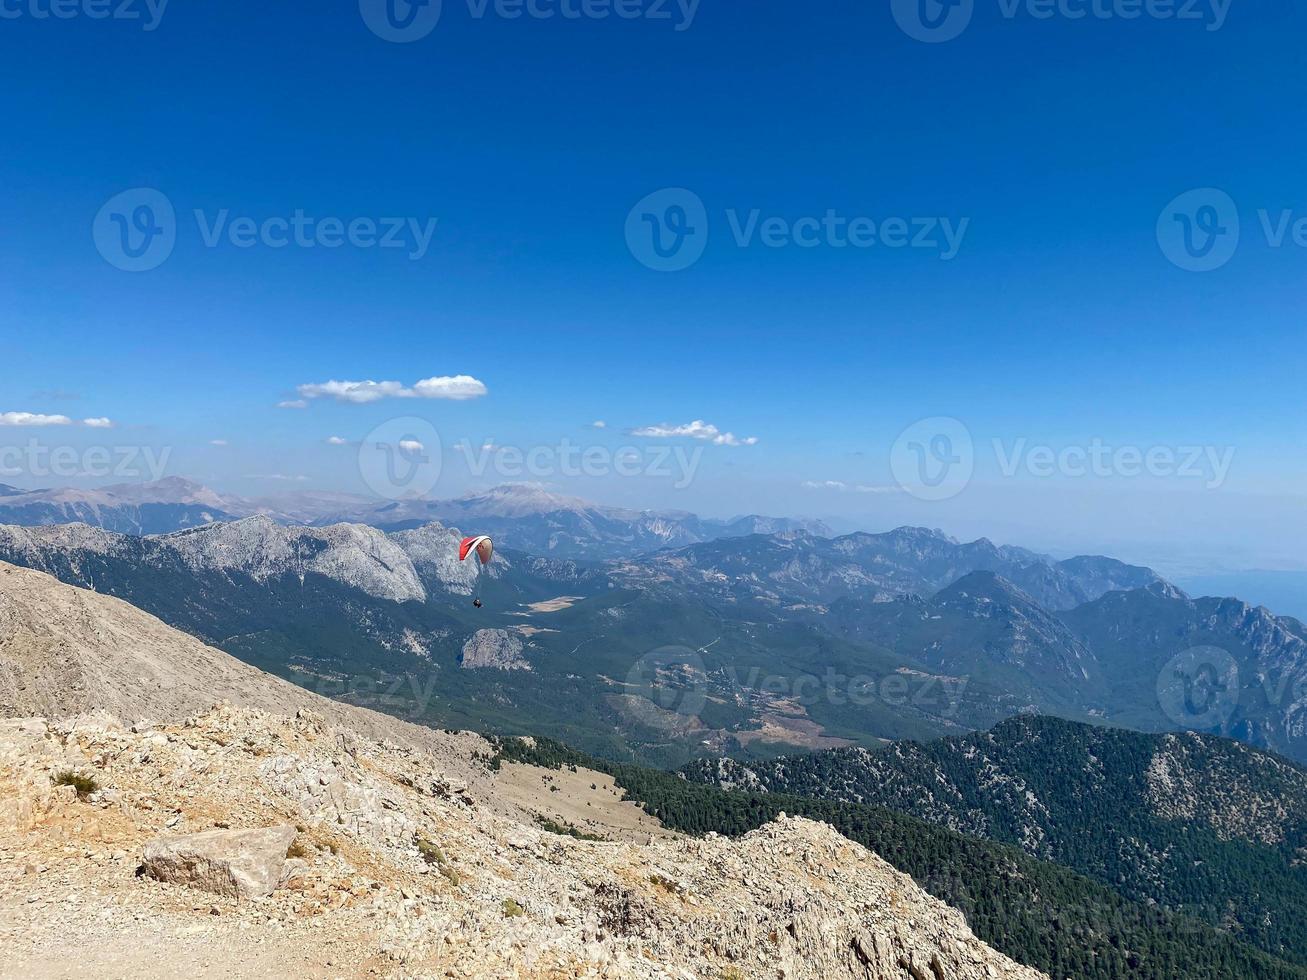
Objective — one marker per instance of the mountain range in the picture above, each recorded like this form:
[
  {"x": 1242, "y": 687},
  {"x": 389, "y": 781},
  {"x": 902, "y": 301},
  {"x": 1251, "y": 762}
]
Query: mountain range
[
  {"x": 520, "y": 516},
  {"x": 753, "y": 644}
]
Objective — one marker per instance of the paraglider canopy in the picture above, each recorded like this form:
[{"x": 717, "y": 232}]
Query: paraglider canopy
[
  {"x": 481, "y": 545},
  {"x": 484, "y": 549}
]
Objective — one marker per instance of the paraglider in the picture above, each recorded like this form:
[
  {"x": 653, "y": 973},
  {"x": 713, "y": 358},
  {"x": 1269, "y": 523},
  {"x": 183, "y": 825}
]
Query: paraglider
[{"x": 483, "y": 549}]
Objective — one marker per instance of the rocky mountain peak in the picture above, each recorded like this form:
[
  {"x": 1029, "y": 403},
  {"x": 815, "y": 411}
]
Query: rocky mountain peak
[{"x": 356, "y": 555}]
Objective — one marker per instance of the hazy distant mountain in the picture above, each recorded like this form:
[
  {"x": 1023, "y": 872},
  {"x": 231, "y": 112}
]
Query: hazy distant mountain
[
  {"x": 534, "y": 520},
  {"x": 797, "y": 568},
  {"x": 132, "y": 508},
  {"x": 524, "y": 517},
  {"x": 1191, "y": 822}
]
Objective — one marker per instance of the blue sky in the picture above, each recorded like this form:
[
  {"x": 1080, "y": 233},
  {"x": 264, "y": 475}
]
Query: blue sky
[{"x": 1055, "y": 143}]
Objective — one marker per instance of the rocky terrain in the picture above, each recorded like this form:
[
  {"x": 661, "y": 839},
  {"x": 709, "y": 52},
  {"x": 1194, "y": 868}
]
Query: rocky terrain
[
  {"x": 494, "y": 649},
  {"x": 142, "y": 830}
]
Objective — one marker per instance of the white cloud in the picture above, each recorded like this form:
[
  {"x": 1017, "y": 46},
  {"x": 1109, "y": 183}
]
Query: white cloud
[
  {"x": 100, "y": 423},
  {"x": 217, "y": 442},
  {"x": 459, "y": 387},
  {"x": 599, "y": 424},
  {"x": 698, "y": 429},
  {"x": 295, "y": 403},
  {"x": 29, "y": 418},
  {"x": 337, "y": 441},
  {"x": 411, "y": 446},
  {"x": 354, "y": 392},
  {"x": 274, "y": 476}
]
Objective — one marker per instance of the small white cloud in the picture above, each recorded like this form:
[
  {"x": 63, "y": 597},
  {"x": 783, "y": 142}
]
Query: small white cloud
[
  {"x": 337, "y": 441},
  {"x": 599, "y": 424},
  {"x": 353, "y": 392},
  {"x": 294, "y": 403},
  {"x": 217, "y": 442},
  {"x": 411, "y": 446},
  {"x": 274, "y": 476},
  {"x": 459, "y": 387},
  {"x": 698, "y": 429},
  {"x": 825, "y": 485},
  {"x": 100, "y": 423},
  {"x": 33, "y": 419}
]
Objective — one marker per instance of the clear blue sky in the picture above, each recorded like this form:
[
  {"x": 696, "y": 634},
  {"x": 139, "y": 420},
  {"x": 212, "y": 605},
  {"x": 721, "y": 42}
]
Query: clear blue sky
[{"x": 1059, "y": 321}]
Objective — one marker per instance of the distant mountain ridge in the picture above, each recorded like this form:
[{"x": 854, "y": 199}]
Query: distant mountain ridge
[
  {"x": 525, "y": 517},
  {"x": 145, "y": 508},
  {"x": 797, "y": 568}
]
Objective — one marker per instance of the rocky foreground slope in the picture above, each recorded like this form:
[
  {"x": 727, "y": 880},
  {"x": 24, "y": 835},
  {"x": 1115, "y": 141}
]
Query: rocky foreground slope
[{"x": 407, "y": 854}]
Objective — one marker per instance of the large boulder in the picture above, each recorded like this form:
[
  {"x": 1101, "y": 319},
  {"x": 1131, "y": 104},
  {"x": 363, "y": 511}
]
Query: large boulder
[{"x": 238, "y": 863}]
